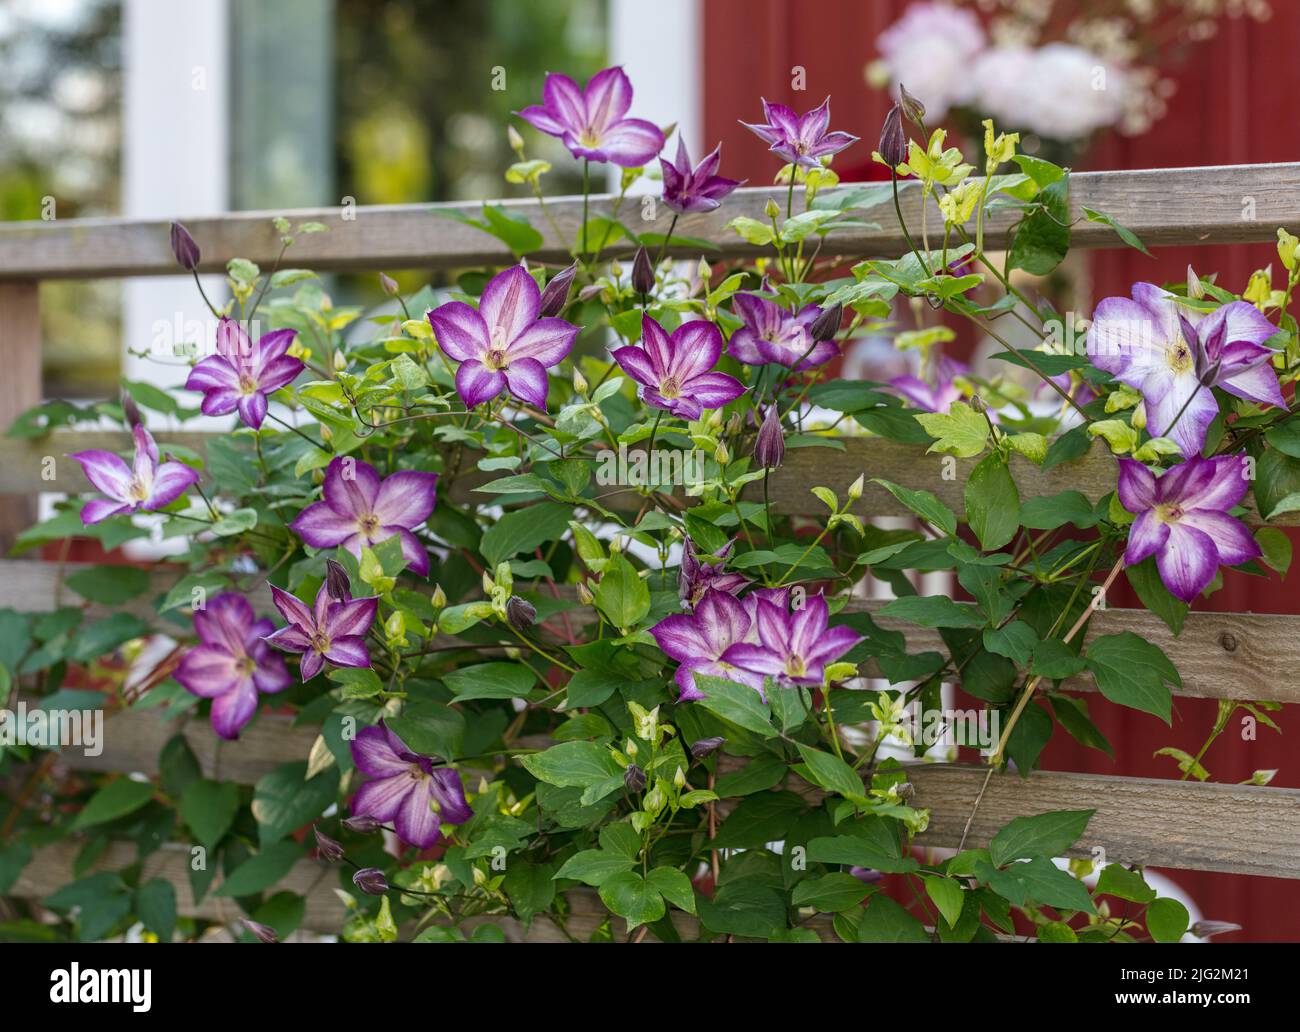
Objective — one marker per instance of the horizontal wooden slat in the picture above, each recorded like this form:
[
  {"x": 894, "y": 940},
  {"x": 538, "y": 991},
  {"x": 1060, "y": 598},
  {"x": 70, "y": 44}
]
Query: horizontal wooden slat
[
  {"x": 23, "y": 467},
  {"x": 52, "y": 868},
  {"x": 1250, "y": 656},
  {"x": 1163, "y": 206}
]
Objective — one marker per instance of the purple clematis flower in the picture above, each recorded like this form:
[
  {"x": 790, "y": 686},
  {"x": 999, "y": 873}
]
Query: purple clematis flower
[
  {"x": 361, "y": 509},
  {"x": 690, "y": 188},
  {"x": 937, "y": 396},
  {"x": 801, "y": 139},
  {"x": 698, "y": 642},
  {"x": 146, "y": 484},
  {"x": 231, "y": 663},
  {"x": 1182, "y": 519},
  {"x": 240, "y": 376},
  {"x": 1174, "y": 356},
  {"x": 329, "y": 630},
  {"x": 773, "y": 334},
  {"x": 793, "y": 648},
  {"x": 593, "y": 123},
  {"x": 503, "y": 343},
  {"x": 406, "y": 788},
  {"x": 675, "y": 371},
  {"x": 695, "y": 577}
]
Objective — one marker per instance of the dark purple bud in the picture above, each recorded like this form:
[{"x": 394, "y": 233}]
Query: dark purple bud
[
  {"x": 912, "y": 108},
  {"x": 130, "y": 411},
  {"x": 184, "y": 247},
  {"x": 327, "y": 848},
  {"x": 362, "y": 824},
  {"x": 869, "y": 875},
  {"x": 520, "y": 614},
  {"x": 556, "y": 294},
  {"x": 371, "y": 881},
  {"x": 388, "y": 284},
  {"x": 893, "y": 141},
  {"x": 769, "y": 448},
  {"x": 643, "y": 273},
  {"x": 337, "y": 584},
  {"x": 260, "y": 931},
  {"x": 705, "y": 746},
  {"x": 1205, "y": 929},
  {"x": 634, "y": 778},
  {"x": 826, "y": 325}
]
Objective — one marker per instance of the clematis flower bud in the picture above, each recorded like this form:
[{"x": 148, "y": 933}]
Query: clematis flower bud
[
  {"x": 1205, "y": 929},
  {"x": 131, "y": 411},
  {"x": 556, "y": 294},
  {"x": 184, "y": 248},
  {"x": 388, "y": 284},
  {"x": 585, "y": 595},
  {"x": 328, "y": 849},
  {"x": 769, "y": 448},
  {"x": 515, "y": 140},
  {"x": 362, "y": 824},
  {"x": 826, "y": 325},
  {"x": 520, "y": 614},
  {"x": 439, "y": 598},
  {"x": 260, "y": 932},
  {"x": 893, "y": 141},
  {"x": 371, "y": 881},
  {"x": 912, "y": 108},
  {"x": 643, "y": 273},
  {"x": 702, "y": 748},
  {"x": 337, "y": 583},
  {"x": 634, "y": 778}
]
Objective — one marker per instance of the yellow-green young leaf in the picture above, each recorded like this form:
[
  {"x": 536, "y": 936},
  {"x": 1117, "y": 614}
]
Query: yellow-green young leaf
[
  {"x": 527, "y": 171},
  {"x": 372, "y": 571},
  {"x": 1032, "y": 446},
  {"x": 1118, "y": 435},
  {"x": 1152, "y": 450},
  {"x": 384, "y": 923},
  {"x": 947, "y": 895},
  {"x": 1122, "y": 397},
  {"x": 418, "y": 328},
  {"x": 752, "y": 230},
  {"x": 827, "y": 496},
  {"x": 589, "y": 547},
  {"x": 962, "y": 431}
]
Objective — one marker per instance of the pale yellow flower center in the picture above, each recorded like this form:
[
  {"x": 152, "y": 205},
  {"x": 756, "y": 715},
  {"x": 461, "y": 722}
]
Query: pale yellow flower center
[
  {"x": 1169, "y": 512},
  {"x": 1180, "y": 357},
  {"x": 670, "y": 388}
]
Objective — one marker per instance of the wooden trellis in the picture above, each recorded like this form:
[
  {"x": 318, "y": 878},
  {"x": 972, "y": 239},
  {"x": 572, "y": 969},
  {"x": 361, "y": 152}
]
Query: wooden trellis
[{"x": 1230, "y": 828}]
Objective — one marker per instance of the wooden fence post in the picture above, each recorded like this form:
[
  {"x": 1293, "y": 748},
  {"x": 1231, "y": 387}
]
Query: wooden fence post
[{"x": 20, "y": 385}]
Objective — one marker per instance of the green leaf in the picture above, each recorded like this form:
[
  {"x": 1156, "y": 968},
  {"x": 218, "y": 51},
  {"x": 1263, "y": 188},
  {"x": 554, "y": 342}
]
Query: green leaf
[
  {"x": 261, "y": 871},
  {"x": 886, "y": 921},
  {"x": 357, "y": 682},
  {"x": 109, "y": 585},
  {"x": 830, "y": 772},
  {"x": 632, "y": 898},
  {"x": 961, "y": 431},
  {"x": 744, "y": 907},
  {"x": 1167, "y": 920},
  {"x": 1277, "y": 481},
  {"x": 758, "y": 775},
  {"x": 992, "y": 503},
  {"x": 430, "y": 729},
  {"x": 924, "y": 504},
  {"x": 208, "y": 808},
  {"x": 500, "y": 680},
  {"x": 1045, "y": 834},
  {"x": 573, "y": 765},
  {"x": 1047, "y": 512},
  {"x": 933, "y": 611},
  {"x": 286, "y": 799},
  {"x": 1047, "y": 884},
  {"x": 155, "y": 905},
  {"x": 530, "y": 889},
  {"x": 622, "y": 595},
  {"x": 1123, "y": 232},
  {"x": 104, "y": 636},
  {"x": 674, "y": 886},
  {"x": 114, "y": 800},
  {"x": 1276, "y": 547},
  {"x": 595, "y": 866},
  {"x": 1042, "y": 237},
  {"x": 832, "y": 893},
  {"x": 948, "y": 896},
  {"x": 737, "y": 703},
  {"x": 1056, "y": 660},
  {"x": 524, "y": 530},
  {"x": 1118, "y": 881},
  {"x": 1015, "y": 641},
  {"x": 1132, "y": 672},
  {"x": 1145, "y": 581}
]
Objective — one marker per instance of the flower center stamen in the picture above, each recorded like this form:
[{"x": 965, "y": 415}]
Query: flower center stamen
[
  {"x": 495, "y": 359},
  {"x": 670, "y": 388},
  {"x": 1169, "y": 512},
  {"x": 247, "y": 385},
  {"x": 368, "y": 524},
  {"x": 1181, "y": 359}
]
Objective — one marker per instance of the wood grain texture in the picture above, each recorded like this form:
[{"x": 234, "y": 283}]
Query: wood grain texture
[
  {"x": 1248, "y": 656},
  {"x": 1163, "y": 206},
  {"x": 52, "y": 868},
  {"x": 20, "y": 385}
]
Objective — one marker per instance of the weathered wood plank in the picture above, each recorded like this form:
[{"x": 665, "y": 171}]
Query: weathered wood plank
[
  {"x": 22, "y": 466},
  {"x": 1250, "y": 656},
  {"x": 20, "y": 386},
  {"x": 1164, "y": 206},
  {"x": 52, "y": 868}
]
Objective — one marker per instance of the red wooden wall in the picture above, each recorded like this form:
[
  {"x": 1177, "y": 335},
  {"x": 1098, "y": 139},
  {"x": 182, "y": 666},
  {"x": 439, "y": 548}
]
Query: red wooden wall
[{"x": 1235, "y": 103}]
